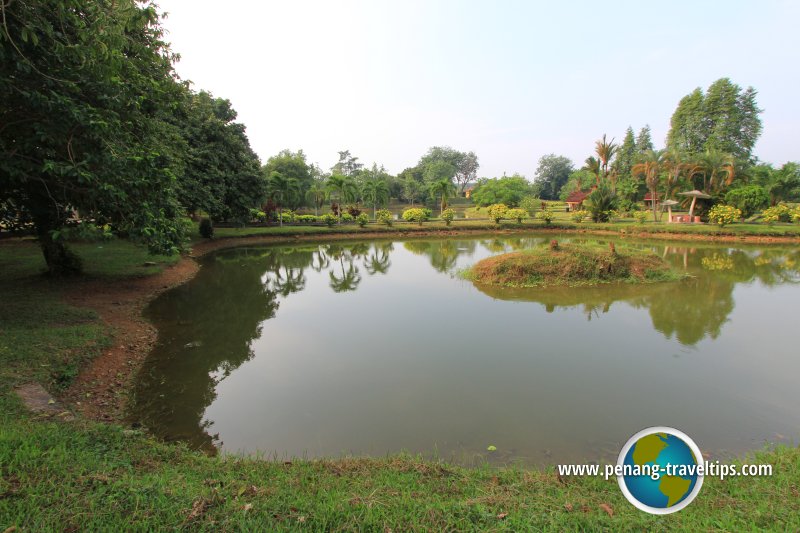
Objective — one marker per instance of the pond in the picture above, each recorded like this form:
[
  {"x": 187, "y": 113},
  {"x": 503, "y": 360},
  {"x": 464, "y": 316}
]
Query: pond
[{"x": 370, "y": 348}]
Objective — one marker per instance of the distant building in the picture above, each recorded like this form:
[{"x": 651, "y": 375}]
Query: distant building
[{"x": 575, "y": 199}]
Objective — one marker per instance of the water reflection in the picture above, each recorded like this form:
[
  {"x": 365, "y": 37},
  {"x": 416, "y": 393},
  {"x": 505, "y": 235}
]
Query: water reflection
[{"x": 209, "y": 327}]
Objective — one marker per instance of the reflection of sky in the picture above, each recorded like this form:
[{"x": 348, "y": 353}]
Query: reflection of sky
[{"x": 421, "y": 360}]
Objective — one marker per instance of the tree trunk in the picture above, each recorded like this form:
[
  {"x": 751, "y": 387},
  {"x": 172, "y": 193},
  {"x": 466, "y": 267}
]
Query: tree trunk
[{"x": 61, "y": 261}]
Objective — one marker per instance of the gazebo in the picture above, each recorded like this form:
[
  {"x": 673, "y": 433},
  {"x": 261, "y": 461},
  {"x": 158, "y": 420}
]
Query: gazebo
[
  {"x": 695, "y": 194},
  {"x": 669, "y": 204},
  {"x": 648, "y": 199}
]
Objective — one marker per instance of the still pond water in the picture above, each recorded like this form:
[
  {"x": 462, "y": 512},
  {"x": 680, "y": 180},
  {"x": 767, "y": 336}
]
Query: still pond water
[{"x": 369, "y": 348}]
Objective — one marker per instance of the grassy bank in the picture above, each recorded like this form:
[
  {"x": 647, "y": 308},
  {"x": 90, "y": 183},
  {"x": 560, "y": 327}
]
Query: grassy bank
[
  {"x": 84, "y": 475},
  {"x": 624, "y": 227},
  {"x": 570, "y": 265}
]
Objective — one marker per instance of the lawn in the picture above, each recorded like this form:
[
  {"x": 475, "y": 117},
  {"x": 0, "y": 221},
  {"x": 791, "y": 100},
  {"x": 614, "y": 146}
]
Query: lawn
[{"x": 84, "y": 475}]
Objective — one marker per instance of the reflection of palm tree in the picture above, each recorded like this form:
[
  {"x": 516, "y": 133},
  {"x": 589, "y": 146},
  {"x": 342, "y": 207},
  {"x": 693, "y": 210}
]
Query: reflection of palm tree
[
  {"x": 320, "y": 260},
  {"x": 287, "y": 281},
  {"x": 378, "y": 262},
  {"x": 349, "y": 278}
]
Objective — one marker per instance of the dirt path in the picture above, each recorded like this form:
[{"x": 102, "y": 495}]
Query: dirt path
[{"x": 101, "y": 390}]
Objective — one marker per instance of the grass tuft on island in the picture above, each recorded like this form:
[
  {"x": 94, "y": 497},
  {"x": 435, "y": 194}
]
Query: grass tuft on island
[{"x": 572, "y": 265}]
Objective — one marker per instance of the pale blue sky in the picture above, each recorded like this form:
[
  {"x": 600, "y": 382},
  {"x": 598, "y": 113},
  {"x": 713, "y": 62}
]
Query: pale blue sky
[{"x": 511, "y": 80}]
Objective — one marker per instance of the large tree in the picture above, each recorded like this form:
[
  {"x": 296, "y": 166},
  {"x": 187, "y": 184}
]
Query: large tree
[
  {"x": 509, "y": 190},
  {"x": 87, "y": 88},
  {"x": 221, "y": 173},
  {"x": 725, "y": 118},
  {"x": 626, "y": 156},
  {"x": 465, "y": 164},
  {"x": 291, "y": 165},
  {"x": 552, "y": 174}
]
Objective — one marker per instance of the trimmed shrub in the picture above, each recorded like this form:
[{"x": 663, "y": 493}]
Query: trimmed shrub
[
  {"x": 777, "y": 213},
  {"x": 206, "y": 228},
  {"x": 498, "y": 212},
  {"x": 415, "y": 214},
  {"x": 517, "y": 214},
  {"x": 346, "y": 218},
  {"x": 641, "y": 216},
  {"x": 448, "y": 215},
  {"x": 722, "y": 215},
  {"x": 362, "y": 219},
  {"x": 530, "y": 204},
  {"x": 328, "y": 218},
  {"x": 580, "y": 216},
  {"x": 749, "y": 199},
  {"x": 384, "y": 216},
  {"x": 545, "y": 215}
]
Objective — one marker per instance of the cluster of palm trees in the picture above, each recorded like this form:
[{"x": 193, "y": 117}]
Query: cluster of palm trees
[{"x": 663, "y": 170}]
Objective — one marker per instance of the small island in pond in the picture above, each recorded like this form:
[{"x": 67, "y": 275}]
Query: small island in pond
[{"x": 571, "y": 265}]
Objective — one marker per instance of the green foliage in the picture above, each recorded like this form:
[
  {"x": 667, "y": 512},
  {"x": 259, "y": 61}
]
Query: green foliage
[
  {"x": 87, "y": 232},
  {"x": 296, "y": 180},
  {"x": 641, "y": 216},
  {"x": 444, "y": 162},
  {"x": 384, "y": 216},
  {"x": 545, "y": 215},
  {"x": 509, "y": 190},
  {"x": 725, "y": 118},
  {"x": 89, "y": 100},
  {"x": 517, "y": 214},
  {"x": 644, "y": 141},
  {"x": 530, "y": 204},
  {"x": 600, "y": 203},
  {"x": 626, "y": 156},
  {"x": 498, "y": 212},
  {"x": 288, "y": 216},
  {"x": 206, "y": 228},
  {"x": 580, "y": 216},
  {"x": 722, "y": 215},
  {"x": 220, "y": 174},
  {"x": 416, "y": 214},
  {"x": 580, "y": 180},
  {"x": 448, "y": 215},
  {"x": 347, "y": 218},
  {"x": 552, "y": 174},
  {"x": 328, "y": 218},
  {"x": 777, "y": 213},
  {"x": 749, "y": 199},
  {"x": 362, "y": 219}
]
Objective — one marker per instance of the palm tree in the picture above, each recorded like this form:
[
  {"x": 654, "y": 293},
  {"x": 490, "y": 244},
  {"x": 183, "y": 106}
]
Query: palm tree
[
  {"x": 717, "y": 169},
  {"x": 605, "y": 150},
  {"x": 675, "y": 164},
  {"x": 650, "y": 168},
  {"x": 316, "y": 194},
  {"x": 344, "y": 188},
  {"x": 281, "y": 190},
  {"x": 376, "y": 192},
  {"x": 443, "y": 189},
  {"x": 593, "y": 165},
  {"x": 784, "y": 183}
]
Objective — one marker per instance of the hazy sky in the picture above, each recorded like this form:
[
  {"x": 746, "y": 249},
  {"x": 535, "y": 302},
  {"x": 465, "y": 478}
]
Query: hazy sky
[{"x": 511, "y": 80}]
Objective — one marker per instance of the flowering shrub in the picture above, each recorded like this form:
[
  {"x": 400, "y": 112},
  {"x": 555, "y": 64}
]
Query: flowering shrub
[
  {"x": 384, "y": 216},
  {"x": 497, "y": 212},
  {"x": 305, "y": 219},
  {"x": 448, "y": 215},
  {"x": 362, "y": 219},
  {"x": 796, "y": 214},
  {"x": 545, "y": 215},
  {"x": 580, "y": 216},
  {"x": 288, "y": 216},
  {"x": 641, "y": 216},
  {"x": 415, "y": 214},
  {"x": 724, "y": 214},
  {"x": 517, "y": 214},
  {"x": 777, "y": 213}
]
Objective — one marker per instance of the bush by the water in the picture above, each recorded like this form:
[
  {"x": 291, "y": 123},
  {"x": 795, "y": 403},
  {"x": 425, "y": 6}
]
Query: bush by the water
[
  {"x": 416, "y": 214},
  {"x": 498, "y": 212},
  {"x": 362, "y": 219},
  {"x": 722, "y": 215},
  {"x": 778, "y": 213},
  {"x": 570, "y": 264},
  {"x": 384, "y": 216},
  {"x": 448, "y": 215},
  {"x": 545, "y": 215},
  {"x": 517, "y": 214}
]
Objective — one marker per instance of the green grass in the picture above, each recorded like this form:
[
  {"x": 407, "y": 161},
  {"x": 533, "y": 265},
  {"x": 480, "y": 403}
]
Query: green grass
[
  {"x": 64, "y": 476},
  {"x": 560, "y": 223}
]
